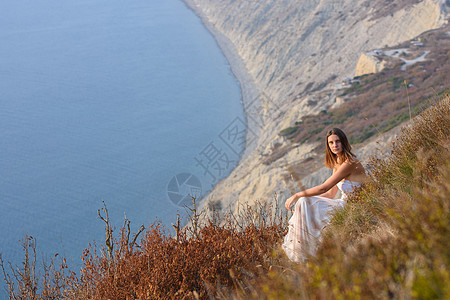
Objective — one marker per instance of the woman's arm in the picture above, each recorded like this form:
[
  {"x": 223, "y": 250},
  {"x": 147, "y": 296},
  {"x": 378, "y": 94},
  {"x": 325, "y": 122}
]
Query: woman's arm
[
  {"x": 343, "y": 171},
  {"x": 331, "y": 192}
]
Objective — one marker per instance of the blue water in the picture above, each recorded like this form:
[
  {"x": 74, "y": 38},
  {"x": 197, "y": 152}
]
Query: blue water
[{"x": 103, "y": 100}]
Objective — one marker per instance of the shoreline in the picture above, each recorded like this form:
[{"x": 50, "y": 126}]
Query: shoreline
[{"x": 248, "y": 90}]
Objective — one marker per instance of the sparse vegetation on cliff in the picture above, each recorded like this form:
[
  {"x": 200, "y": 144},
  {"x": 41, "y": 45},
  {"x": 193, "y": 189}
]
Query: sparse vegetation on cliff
[{"x": 379, "y": 102}]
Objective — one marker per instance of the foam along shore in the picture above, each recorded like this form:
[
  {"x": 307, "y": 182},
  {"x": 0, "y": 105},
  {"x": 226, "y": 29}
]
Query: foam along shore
[{"x": 250, "y": 95}]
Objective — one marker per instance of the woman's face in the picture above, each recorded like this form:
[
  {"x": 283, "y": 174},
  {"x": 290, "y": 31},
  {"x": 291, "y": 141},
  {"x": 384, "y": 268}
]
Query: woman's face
[{"x": 335, "y": 144}]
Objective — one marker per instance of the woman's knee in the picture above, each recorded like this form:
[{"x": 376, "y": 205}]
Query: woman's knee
[{"x": 301, "y": 202}]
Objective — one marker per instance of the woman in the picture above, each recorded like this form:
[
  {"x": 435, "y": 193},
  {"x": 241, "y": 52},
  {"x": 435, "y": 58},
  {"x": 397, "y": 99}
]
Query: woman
[{"x": 313, "y": 208}]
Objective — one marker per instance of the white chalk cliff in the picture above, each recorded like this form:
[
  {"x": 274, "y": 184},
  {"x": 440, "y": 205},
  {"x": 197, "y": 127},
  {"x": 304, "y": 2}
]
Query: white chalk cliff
[{"x": 287, "y": 52}]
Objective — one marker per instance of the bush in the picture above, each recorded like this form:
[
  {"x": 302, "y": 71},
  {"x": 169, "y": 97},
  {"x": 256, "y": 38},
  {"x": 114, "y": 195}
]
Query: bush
[{"x": 198, "y": 262}]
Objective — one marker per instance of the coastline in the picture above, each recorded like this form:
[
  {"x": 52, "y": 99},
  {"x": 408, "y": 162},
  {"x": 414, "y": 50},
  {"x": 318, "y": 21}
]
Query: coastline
[{"x": 250, "y": 95}]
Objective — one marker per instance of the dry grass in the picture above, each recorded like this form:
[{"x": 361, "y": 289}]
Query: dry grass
[{"x": 201, "y": 261}]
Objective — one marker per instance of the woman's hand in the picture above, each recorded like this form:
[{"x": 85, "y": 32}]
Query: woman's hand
[{"x": 290, "y": 201}]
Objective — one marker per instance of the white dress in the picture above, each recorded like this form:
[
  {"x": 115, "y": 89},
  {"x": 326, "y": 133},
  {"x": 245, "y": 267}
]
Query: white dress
[{"x": 311, "y": 215}]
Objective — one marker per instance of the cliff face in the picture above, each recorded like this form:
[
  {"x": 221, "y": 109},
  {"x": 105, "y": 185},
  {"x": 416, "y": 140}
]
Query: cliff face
[
  {"x": 287, "y": 45},
  {"x": 296, "y": 53},
  {"x": 368, "y": 64}
]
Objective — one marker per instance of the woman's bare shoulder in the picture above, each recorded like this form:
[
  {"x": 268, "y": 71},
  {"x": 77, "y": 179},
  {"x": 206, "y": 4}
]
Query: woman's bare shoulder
[{"x": 358, "y": 172}]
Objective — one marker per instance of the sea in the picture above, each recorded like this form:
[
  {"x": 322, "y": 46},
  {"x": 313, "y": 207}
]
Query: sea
[{"x": 128, "y": 104}]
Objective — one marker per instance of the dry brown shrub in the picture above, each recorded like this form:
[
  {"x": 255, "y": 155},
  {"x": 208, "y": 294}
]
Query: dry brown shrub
[{"x": 213, "y": 261}]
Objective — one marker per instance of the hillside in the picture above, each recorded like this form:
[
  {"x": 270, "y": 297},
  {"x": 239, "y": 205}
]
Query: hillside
[
  {"x": 295, "y": 56},
  {"x": 374, "y": 103},
  {"x": 391, "y": 239}
]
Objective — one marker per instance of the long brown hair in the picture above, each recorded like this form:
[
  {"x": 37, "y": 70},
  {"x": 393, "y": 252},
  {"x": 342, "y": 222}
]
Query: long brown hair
[{"x": 330, "y": 157}]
